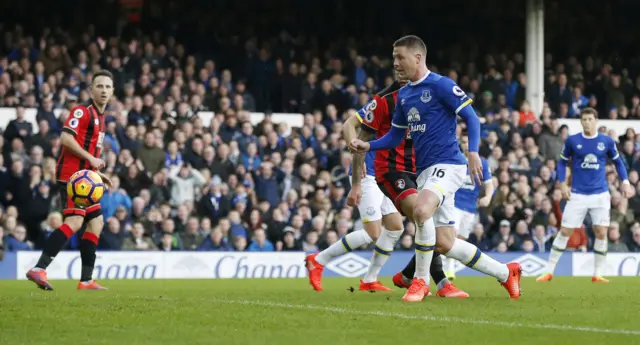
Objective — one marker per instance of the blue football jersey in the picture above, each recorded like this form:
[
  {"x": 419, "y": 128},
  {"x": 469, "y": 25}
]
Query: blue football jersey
[
  {"x": 589, "y": 158},
  {"x": 428, "y": 107},
  {"x": 466, "y": 198}
]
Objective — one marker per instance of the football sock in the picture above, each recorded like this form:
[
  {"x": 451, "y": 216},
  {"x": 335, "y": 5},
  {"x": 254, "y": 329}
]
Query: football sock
[
  {"x": 348, "y": 243},
  {"x": 53, "y": 245},
  {"x": 600, "y": 252},
  {"x": 558, "y": 247},
  {"x": 450, "y": 263},
  {"x": 472, "y": 257},
  {"x": 381, "y": 252},
  {"x": 88, "y": 245},
  {"x": 425, "y": 245},
  {"x": 436, "y": 269},
  {"x": 410, "y": 270}
]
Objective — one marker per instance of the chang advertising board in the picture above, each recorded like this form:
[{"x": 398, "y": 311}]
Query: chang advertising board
[
  {"x": 171, "y": 265},
  {"x": 617, "y": 264}
]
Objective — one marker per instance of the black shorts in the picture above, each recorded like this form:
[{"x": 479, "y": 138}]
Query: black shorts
[
  {"x": 69, "y": 208},
  {"x": 397, "y": 185}
]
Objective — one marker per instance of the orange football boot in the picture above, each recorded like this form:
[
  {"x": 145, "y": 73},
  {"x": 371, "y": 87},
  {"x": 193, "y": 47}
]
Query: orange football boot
[
  {"x": 417, "y": 291},
  {"x": 399, "y": 281},
  {"x": 599, "y": 279},
  {"x": 315, "y": 271},
  {"x": 39, "y": 277},
  {"x": 544, "y": 278},
  {"x": 92, "y": 285},
  {"x": 373, "y": 287},
  {"x": 451, "y": 291},
  {"x": 513, "y": 282}
]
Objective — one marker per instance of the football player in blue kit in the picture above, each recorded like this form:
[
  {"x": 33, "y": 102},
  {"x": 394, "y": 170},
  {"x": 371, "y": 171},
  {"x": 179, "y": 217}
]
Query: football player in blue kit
[
  {"x": 589, "y": 192},
  {"x": 429, "y": 105}
]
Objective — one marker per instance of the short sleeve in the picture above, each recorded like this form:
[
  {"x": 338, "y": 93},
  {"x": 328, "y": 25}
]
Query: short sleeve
[
  {"x": 486, "y": 172},
  {"x": 373, "y": 114},
  {"x": 77, "y": 117},
  {"x": 452, "y": 96},
  {"x": 567, "y": 150}
]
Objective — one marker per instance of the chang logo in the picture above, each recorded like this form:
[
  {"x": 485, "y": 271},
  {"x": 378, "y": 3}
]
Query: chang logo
[{"x": 590, "y": 162}]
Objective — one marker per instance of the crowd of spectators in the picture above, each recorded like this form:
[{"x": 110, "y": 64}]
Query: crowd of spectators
[{"x": 181, "y": 183}]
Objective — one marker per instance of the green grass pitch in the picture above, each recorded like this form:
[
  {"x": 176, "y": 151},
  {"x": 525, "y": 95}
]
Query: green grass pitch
[{"x": 287, "y": 311}]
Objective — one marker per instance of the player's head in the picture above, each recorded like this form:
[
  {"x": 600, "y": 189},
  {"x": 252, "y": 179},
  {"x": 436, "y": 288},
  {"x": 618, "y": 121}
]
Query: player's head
[
  {"x": 102, "y": 87},
  {"x": 409, "y": 57},
  {"x": 589, "y": 121},
  {"x": 464, "y": 143}
]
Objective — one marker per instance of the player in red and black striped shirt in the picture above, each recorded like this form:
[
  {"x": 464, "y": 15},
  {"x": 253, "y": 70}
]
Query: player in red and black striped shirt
[
  {"x": 396, "y": 176},
  {"x": 82, "y": 137}
]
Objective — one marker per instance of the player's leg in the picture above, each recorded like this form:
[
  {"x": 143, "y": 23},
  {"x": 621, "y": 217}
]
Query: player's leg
[
  {"x": 600, "y": 216},
  {"x": 433, "y": 184},
  {"x": 406, "y": 199},
  {"x": 88, "y": 246},
  {"x": 73, "y": 220},
  {"x": 370, "y": 211},
  {"x": 470, "y": 255},
  {"x": 572, "y": 217},
  {"x": 393, "y": 229}
]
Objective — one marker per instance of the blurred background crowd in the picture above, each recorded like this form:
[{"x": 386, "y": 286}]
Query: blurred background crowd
[{"x": 183, "y": 181}]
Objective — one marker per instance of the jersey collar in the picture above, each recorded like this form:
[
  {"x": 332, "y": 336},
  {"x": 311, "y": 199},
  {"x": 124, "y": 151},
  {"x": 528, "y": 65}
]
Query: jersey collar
[
  {"x": 414, "y": 83},
  {"x": 591, "y": 137}
]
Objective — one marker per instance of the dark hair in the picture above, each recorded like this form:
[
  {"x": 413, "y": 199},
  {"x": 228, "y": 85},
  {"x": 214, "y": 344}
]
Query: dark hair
[
  {"x": 413, "y": 42},
  {"x": 589, "y": 111},
  {"x": 102, "y": 73}
]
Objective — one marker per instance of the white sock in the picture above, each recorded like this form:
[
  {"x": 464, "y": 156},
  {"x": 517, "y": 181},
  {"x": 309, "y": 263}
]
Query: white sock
[
  {"x": 381, "y": 252},
  {"x": 600, "y": 252},
  {"x": 558, "y": 247},
  {"x": 348, "y": 243},
  {"x": 450, "y": 265},
  {"x": 472, "y": 257},
  {"x": 425, "y": 244}
]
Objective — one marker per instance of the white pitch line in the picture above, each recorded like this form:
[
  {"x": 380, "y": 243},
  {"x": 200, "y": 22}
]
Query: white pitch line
[{"x": 568, "y": 328}]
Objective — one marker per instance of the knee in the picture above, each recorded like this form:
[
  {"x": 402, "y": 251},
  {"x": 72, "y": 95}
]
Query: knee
[
  {"x": 75, "y": 223},
  {"x": 601, "y": 232},
  {"x": 420, "y": 212},
  {"x": 443, "y": 246},
  {"x": 566, "y": 231}
]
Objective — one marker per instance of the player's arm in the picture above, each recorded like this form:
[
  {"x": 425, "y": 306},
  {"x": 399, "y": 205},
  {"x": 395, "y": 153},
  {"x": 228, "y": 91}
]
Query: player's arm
[
  {"x": 488, "y": 186},
  {"x": 68, "y": 140},
  {"x": 349, "y": 131},
  {"x": 394, "y": 137},
  {"x": 565, "y": 155},
  {"x": 627, "y": 190}
]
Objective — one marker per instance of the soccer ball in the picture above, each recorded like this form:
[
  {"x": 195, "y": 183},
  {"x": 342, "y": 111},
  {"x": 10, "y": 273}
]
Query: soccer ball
[{"x": 85, "y": 188}]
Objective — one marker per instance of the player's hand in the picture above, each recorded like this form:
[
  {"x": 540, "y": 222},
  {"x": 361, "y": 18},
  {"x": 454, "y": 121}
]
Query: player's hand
[
  {"x": 106, "y": 180},
  {"x": 355, "y": 195},
  {"x": 627, "y": 190},
  {"x": 485, "y": 201},
  {"x": 96, "y": 163},
  {"x": 565, "y": 190},
  {"x": 359, "y": 146},
  {"x": 475, "y": 168}
]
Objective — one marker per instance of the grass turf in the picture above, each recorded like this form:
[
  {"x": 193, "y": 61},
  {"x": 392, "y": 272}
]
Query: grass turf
[{"x": 286, "y": 311}]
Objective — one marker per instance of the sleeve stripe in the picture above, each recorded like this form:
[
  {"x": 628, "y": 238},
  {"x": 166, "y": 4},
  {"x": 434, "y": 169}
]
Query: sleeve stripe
[
  {"x": 358, "y": 117},
  {"x": 398, "y": 126},
  {"x": 563, "y": 157},
  {"x": 616, "y": 157},
  {"x": 69, "y": 130},
  {"x": 466, "y": 103}
]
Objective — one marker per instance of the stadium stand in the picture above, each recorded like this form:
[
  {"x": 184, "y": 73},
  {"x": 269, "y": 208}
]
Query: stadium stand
[{"x": 203, "y": 159}]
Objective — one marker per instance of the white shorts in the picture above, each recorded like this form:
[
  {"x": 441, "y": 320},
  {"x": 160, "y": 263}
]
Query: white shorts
[
  {"x": 374, "y": 204},
  {"x": 444, "y": 180},
  {"x": 465, "y": 222},
  {"x": 597, "y": 205}
]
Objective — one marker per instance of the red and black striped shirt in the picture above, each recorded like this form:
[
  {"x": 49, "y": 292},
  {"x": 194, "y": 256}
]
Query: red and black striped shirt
[
  {"x": 86, "y": 125},
  {"x": 376, "y": 117}
]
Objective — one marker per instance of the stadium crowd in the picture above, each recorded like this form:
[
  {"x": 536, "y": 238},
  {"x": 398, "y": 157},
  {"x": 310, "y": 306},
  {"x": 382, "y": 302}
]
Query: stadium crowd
[{"x": 181, "y": 183}]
